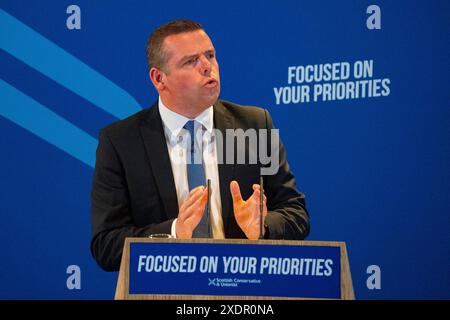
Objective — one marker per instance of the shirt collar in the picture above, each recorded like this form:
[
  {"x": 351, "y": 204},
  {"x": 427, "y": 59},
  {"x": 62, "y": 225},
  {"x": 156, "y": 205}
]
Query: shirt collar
[{"x": 174, "y": 122}]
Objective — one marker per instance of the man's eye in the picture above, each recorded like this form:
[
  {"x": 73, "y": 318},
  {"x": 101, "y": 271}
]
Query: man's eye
[
  {"x": 211, "y": 55},
  {"x": 191, "y": 61}
]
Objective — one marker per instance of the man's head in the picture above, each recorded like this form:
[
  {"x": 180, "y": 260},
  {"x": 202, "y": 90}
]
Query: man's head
[{"x": 183, "y": 67}]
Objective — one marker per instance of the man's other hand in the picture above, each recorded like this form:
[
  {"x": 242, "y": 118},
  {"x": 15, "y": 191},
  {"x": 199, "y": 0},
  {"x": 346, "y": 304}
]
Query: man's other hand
[{"x": 247, "y": 212}]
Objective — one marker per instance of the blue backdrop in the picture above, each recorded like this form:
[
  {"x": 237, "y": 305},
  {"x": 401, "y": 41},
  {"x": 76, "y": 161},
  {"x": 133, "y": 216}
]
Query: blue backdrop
[{"x": 375, "y": 169}]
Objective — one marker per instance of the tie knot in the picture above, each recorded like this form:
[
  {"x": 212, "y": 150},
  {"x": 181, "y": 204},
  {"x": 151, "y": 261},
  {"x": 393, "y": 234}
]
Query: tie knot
[
  {"x": 193, "y": 127},
  {"x": 190, "y": 126}
]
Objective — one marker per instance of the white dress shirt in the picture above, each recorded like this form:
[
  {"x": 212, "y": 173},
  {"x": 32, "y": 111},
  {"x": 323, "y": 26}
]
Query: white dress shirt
[{"x": 176, "y": 137}]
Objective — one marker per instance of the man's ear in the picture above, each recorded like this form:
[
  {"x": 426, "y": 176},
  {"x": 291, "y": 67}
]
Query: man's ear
[{"x": 157, "y": 78}]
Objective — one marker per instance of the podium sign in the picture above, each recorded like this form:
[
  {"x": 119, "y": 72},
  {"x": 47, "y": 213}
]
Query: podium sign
[{"x": 238, "y": 269}]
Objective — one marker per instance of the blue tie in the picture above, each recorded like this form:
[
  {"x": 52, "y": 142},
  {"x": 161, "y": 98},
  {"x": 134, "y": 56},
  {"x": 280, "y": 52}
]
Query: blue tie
[{"x": 196, "y": 177}]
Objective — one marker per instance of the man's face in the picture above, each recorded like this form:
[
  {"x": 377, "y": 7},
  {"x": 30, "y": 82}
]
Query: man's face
[{"x": 191, "y": 76}]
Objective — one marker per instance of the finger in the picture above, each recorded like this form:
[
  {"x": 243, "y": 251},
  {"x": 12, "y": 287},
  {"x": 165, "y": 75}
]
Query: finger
[
  {"x": 257, "y": 195},
  {"x": 264, "y": 200},
  {"x": 235, "y": 191},
  {"x": 256, "y": 187},
  {"x": 196, "y": 189},
  {"x": 204, "y": 199},
  {"x": 258, "y": 210},
  {"x": 201, "y": 196},
  {"x": 201, "y": 200},
  {"x": 193, "y": 196},
  {"x": 197, "y": 209}
]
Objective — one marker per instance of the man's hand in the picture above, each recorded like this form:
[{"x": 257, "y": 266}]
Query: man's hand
[
  {"x": 247, "y": 212},
  {"x": 191, "y": 212}
]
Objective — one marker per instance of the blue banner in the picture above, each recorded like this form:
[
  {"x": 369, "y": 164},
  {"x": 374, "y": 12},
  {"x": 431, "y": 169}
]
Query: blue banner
[
  {"x": 358, "y": 89},
  {"x": 235, "y": 270}
]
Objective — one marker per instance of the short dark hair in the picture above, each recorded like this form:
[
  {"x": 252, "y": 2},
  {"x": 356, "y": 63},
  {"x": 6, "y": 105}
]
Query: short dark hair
[{"x": 156, "y": 57}]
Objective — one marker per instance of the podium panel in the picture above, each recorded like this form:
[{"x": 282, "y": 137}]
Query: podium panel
[{"x": 233, "y": 269}]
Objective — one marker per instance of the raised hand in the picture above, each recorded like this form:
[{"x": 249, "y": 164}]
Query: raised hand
[
  {"x": 191, "y": 212},
  {"x": 247, "y": 212}
]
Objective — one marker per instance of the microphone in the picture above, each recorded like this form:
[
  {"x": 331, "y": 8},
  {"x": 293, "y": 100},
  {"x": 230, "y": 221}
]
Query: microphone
[
  {"x": 208, "y": 204},
  {"x": 208, "y": 209},
  {"x": 261, "y": 206}
]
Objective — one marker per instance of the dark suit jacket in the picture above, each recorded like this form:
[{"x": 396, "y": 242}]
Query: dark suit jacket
[{"x": 134, "y": 195}]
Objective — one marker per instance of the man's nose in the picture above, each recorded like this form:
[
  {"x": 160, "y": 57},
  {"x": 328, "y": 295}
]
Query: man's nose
[{"x": 205, "y": 66}]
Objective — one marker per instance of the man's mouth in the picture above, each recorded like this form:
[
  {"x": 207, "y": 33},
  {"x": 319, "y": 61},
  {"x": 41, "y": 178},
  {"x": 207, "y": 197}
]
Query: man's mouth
[{"x": 211, "y": 83}]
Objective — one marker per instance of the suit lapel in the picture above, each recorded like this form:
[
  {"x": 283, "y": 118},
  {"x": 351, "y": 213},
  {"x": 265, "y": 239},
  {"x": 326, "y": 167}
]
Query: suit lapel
[
  {"x": 222, "y": 121},
  {"x": 155, "y": 144}
]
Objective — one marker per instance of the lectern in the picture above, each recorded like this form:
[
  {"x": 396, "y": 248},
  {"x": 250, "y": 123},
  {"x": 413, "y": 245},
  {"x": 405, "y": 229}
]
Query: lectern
[{"x": 233, "y": 269}]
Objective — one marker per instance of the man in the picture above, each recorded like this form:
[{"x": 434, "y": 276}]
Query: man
[{"x": 146, "y": 181}]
